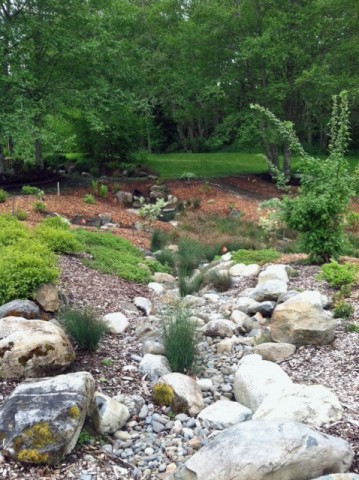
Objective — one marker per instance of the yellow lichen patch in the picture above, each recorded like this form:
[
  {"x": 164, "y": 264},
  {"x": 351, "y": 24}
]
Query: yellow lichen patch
[
  {"x": 74, "y": 412},
  {"x": 32, "y": 456},
  {"x": 39, "y": 435},
  {"x": 163, "y": 394}
]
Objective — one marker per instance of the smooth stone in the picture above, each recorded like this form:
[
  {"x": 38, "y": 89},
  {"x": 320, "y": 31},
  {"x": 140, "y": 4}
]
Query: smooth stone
[{"x": 116, "y": 322}]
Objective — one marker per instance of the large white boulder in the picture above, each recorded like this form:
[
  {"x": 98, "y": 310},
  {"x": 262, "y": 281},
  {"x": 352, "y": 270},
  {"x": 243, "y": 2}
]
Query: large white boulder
[
  {"x": 242, "y": 270},
  {"x": 224, "y": 413},
  {"x": 188, "y": 395},
  {"x": 41, "y": 420},
  {"x": 116, "y": 322},
  {"x": 273, "y": 272},
  {"x": 269, "y": 290},
  {"x": 110, "y": 414},
  {"x": 301, "y": 320},
  {"x": 263, "y": 450},
  {"x": 311, "y": 404},
  {"x": 255, "y": 379},
  {"x": 33, "y": 348}
]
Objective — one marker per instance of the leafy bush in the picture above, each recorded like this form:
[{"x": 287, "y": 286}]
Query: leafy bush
[
  {"x": 89, "y": 199},
  {"x": 59, "y": 240},
  {"x": 338, "y": 275},
  {"x": 151, "y": 211},
  {"x": 28, "y": 190},
  {"x": 11, "y": 230},
  {"x": 103, "y": 190},
  {"x": 318, "y": 211},
  {"x": 83, "y": 326},
  {"x": 156, "y": 266},
  {"x": 3, "y": 195},
  {"x": 179, "y": 340},
  {"x": 255, "y": 256},
  {"x": 23, "y": 267},
  {"x": 166, "y": 257},
  {"x": 39, "y": 207},
  {"x": 221, "y": 281},
  {"x": 159, "y": 240},
  {"x": 113, "y": 255},
  {"x": 56, "y": 222},
  {"x": 21, "y": 215},
  {"x": 343, "y": 310}
]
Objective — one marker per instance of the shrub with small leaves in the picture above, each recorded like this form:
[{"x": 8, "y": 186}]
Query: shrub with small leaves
[
  {"x": 59, "y": 240},
  {"x": 89, "y": 199},
  {"x": 3, "y": 195},
  {"x": 83, "y": 326},
  {"x": 337, "y": 275},
  {"x": 21, "y": 215},
  {"x": 352, "y": 328},
  {"x": 179, "y": 339},
  {"x": 343, "y": 310},
  {"x": 103, "y": 190},
  {"x": 39, "y": 207},
  {"x": 29, "y": 190},
  {"x": 255, "y": 256}
]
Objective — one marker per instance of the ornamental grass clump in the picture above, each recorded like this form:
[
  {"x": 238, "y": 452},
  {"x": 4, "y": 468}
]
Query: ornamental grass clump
[
  {"x": 83, "y": 326},
  {"x": 180, "y": 339}
]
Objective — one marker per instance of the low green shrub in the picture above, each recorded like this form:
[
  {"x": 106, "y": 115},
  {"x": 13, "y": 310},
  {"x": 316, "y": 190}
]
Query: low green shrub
[
  {"x": 39, "y": 207},
  {"x": 343, "y": 310},
  {"x": 255, "y": 256},
  {"x": 338, "y": 275},
  {"x": 3, "y": 195},
  {"x": 103, "y": 190},
  {"x": 56, "y": 222},
  {"x": 156, "y": 266},
  {"x": 89, "y": 199},
  {"x": 59, "y": 240},
  {"x": 352, "y": 328},
  {"x": 23, "y": 267},
  {"x": 159, "y": 240},
  {"x": 220, "y": 280},
  {"x": 21, "y": 215},
  {"x": 179, "y": 339},
  {"x": 28, "y": 190},
  {"x": 11, "y": 230},
  {"x": 166, "y": 257},
  {"x": 83, "y": 326}
]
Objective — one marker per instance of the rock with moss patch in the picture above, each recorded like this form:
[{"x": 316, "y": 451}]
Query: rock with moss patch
[
  {"x": 33, "y": 348},
  {"x": 42, "y": 419},
  {"x": 188, "y": 395}
]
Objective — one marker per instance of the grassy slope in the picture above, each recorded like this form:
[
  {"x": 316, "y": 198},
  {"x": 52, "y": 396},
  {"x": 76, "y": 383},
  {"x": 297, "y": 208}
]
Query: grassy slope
[{"x": 173, "y": 165}]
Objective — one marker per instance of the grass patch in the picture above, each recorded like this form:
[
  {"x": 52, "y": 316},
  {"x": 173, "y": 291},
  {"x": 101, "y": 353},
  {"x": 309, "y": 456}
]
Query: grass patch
[
  {"x": 259, "y": 257},
  {"x": 188, "y": 285},
  {"x": 179, "y": 340},
  {"x": 114, "y": 255},
  {"x": 83, "y": 326},
  {"x": 221, "y": 281}
]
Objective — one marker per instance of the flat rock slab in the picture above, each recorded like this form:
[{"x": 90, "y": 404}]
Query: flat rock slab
[
  {"x": 41, "y": 420},
  {"x": 33, "y": 348},
  {"x": 259, "y": 450},
  {"x": 224, "y": 414}
]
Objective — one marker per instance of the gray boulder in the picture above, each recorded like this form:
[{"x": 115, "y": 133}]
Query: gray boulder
[
  {"x": 20, "y": 308},
  {"x": 116, "y": 322},
  {"x": 301, "y": 320},
  {"x": 274, "y": 352},
  {"x": 273, "y": 272},
  {"x": 224, "y": 413},
  {"x": 143, "y": 304},
  {"x": 263, "y": 450},
  {"x": 269, "y": 290},
  {"x": 125, "y": 199},
  {"x": 47, "y": 297},
  {"x": 219, "y": 328},
  {"x": 41, "y": 420},
  {"x": 154, "y": 366},
  {"x": 188, "y": 395},
  {"x": 339, "y": 476},
  {"x": 110, "y": 415}
]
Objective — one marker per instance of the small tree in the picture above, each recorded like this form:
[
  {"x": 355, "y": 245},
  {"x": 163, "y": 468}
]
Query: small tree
[{"x": 317, "y": 211}]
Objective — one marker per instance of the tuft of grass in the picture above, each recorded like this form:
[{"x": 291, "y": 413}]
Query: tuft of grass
[
  {"x": 159, "y": 240},
  {"x": 255, "y": 256},
  {"x": 166, "y": 257},
  {"x": 352, "y": 328},
  {"x": 89, "y": 199},
  {"x": 188, "y": 285},
  {"x": 220, "y": 280},
  {"x": 39, "y": 207},
  {"x": 343, "y": 310},
  {"x": 83, "y": 326},
  {"x": 103, "y": 190},
  {"x": 179, "y": 339}
]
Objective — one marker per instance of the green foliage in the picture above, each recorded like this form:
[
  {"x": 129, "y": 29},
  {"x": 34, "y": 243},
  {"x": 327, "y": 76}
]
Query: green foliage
[
  {"x": 338, "y": 275},
  {"x": 151, "y": 211},
  {"x": 11, "y": 230},
  {"x": 103, "y": 190},
  {"x": 159, "y": 240},
  {"x": 113, "y": 255},
  {"x": 39, "y": 207},
  {"x": 188, "y": 285},
  {"x": 343, "y": 310},
  {"x": 3, "y": 195},
  {"x": 220, "y": 280},
  {"x": 166, "y": 257},
  {"x": 319, "y": 209},
  {"x": 95, "y": 186},
  {"x": 89, "y": 199},
  {"x": 156, "y": 266},
  {"x": 56, "y": 222},
  {"x": 28, "y": 190},
  {"x": 188, "y": 176},
  {"x": 21, "y": 215},
  {"x": 163, "y": 394},
  {"x": 352, "y": 328},
  {"x": 24, "y": 265},
  {"x": 107, "y": 362},
  {"x": 255, "y": 256},
  {"x": 59, "y": 240},
  {"x": 179, "y": 339},
  {"x": 84, "y": 326}
]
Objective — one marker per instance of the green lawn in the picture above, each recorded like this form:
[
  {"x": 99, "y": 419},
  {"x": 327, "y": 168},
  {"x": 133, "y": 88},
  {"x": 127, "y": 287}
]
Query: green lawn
[{"x": 173, "y": 165}]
